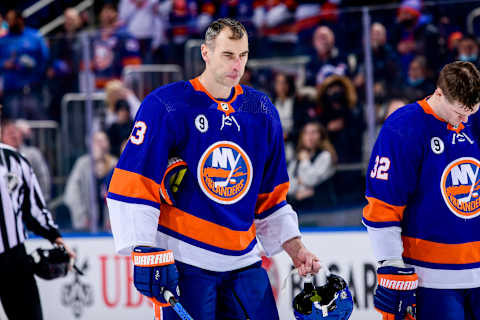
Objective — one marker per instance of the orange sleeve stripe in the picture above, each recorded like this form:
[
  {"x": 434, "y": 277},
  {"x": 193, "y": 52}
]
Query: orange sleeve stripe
[
  {"x": 380, "y": 211},
  {"x": 134, "y": 185},
  {"x": 205, "y": 231},
  {"x": 443, "y": 253},
  {"x": 266, "y": 201}
]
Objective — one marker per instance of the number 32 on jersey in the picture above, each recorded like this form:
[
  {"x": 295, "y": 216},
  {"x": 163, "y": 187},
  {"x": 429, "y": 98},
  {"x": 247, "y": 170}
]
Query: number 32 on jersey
[{"x": 380, "y": 169}]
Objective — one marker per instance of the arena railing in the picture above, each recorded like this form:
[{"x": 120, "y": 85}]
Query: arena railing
[{"x": 143, "y": 79}]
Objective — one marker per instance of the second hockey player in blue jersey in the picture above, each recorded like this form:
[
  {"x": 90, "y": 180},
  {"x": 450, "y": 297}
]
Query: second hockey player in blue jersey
[{"x": 423, "y": 212}]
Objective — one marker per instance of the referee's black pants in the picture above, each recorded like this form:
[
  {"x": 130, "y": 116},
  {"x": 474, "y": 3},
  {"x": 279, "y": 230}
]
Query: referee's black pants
[{"x": 18, "y": 288}]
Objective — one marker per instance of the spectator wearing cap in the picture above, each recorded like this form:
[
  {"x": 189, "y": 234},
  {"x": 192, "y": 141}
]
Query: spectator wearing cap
[
  {"x": 120, "y": 130},
  {"x": 326, "y": 60},
  {"x": 23, "y": 60}
]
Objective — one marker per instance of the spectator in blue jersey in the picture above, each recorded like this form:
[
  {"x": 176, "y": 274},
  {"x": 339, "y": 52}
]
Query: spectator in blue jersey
[
  {"x": 327, "y": 59},
  {"x": 310, "y": 171},
  {"x": 23, "y": 59},
  {"x": 113, "y": 48}
]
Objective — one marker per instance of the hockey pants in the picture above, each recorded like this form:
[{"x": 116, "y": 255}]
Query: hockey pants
[{"x": 209, "y": 295}]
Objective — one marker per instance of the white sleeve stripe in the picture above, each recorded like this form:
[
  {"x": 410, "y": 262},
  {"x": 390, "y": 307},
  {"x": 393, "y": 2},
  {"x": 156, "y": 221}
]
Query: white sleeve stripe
[
  {"x": 274, "y": 230},
  {"x": 386, "y": 242},
  {"x": 132, "y": 224}
]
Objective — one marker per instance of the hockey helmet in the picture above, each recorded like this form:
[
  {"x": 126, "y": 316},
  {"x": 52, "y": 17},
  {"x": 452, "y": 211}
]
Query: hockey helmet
[
  {"x": 50, "y": 263},
  {"x": 330, "y": 299}
]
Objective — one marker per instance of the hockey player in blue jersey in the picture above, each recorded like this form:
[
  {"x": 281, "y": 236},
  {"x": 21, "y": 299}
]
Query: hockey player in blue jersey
[
  {"x": 204, "y": 239},
  {"x": 423, "y": 207}
]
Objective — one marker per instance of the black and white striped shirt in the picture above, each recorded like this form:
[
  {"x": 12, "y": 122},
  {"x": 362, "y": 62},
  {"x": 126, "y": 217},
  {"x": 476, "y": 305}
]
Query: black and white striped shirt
[{"x": 21, "y": 202}]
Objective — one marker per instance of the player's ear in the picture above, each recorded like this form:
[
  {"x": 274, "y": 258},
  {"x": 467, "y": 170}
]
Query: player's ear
[
  {"x": 438, "y": 92},
  {"x": 204, "y": 51}
]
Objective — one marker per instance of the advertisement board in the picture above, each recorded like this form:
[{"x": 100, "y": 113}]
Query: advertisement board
[{"x": 106, "y": 290}]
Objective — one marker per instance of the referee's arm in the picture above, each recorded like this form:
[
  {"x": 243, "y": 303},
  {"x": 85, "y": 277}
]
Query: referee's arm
[{"x": 36, "y": 216}]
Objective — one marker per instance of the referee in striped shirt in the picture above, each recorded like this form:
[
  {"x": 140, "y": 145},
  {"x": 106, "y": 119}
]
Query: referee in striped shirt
[{"x": 21, "y": 207}]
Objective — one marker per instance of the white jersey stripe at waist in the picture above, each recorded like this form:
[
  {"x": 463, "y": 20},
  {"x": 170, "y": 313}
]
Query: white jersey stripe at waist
[
  {"x": 447, "y": 279},
  {"x": 205, "y": 259}
]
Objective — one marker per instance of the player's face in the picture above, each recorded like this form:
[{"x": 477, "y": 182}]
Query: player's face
[
  {"x": 455, "y": 113},
  {"x": 227, "y": 59}
]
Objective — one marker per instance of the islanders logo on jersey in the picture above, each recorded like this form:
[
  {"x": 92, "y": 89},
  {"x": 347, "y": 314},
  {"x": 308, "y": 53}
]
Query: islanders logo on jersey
[
  {"x": 460, "y": 186},
  {"x": 225, "y": 172}
]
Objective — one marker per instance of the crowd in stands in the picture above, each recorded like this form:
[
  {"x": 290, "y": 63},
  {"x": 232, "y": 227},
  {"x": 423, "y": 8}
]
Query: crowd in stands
[{"x": 322, "y": 114}]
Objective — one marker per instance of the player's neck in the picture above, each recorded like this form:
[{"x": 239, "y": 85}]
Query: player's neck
[
  {"x": 213, "y": 88},
  {"x": 436, "y": 105}
]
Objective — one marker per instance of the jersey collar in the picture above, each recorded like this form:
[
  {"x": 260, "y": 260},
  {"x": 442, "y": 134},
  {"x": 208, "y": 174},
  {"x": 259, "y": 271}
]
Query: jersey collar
[
  {"x": 428, "y": 109},
  {"x": 198, "y": 86}
]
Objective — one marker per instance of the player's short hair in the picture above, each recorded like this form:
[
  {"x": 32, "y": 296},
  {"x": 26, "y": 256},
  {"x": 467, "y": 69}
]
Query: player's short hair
[
  {"x": 460, "y": 82},
  {"x": 214, "y": 29}
]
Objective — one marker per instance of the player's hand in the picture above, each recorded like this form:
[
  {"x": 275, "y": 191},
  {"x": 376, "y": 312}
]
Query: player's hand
[
  {"x": 395, "y": 295},
  {"x": 154, "y": 270},
  {"x": 305, "y": 261}
]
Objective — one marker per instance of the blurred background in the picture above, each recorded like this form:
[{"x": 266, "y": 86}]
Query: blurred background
[{"x": 73, "y": 74}]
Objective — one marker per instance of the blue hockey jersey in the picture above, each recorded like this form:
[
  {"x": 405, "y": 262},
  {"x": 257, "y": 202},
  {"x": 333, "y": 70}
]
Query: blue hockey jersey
[
  {"x": 233, "y": 192},
  {"x": 423, "y": 179}
]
